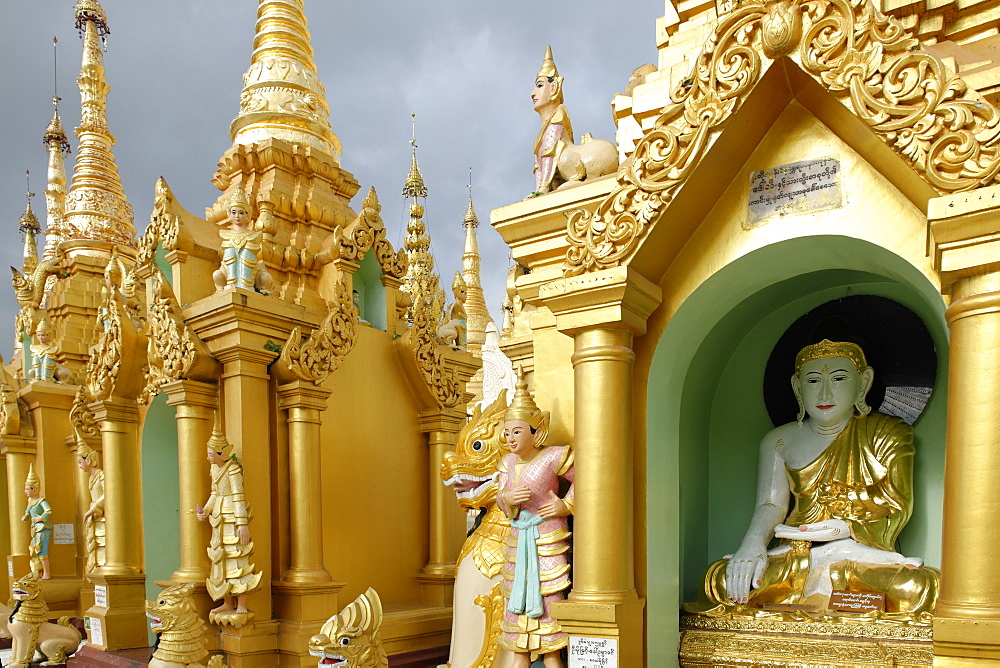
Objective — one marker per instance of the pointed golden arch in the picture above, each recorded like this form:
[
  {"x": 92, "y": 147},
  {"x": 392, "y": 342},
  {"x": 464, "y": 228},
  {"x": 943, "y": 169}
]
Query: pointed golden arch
[{"x": 944, "y": 130}]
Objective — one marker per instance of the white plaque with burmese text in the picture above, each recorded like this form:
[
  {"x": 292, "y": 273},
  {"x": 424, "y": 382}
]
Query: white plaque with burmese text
[
  {"x": 593, "y": 652},
  {"x": 100, "y": 596},
  {"x": 63, "y": 534},
  {"x": 794, "y": 189}
]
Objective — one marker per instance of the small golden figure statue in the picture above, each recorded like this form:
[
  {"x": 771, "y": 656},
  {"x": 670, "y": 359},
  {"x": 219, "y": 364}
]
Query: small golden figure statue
[
  {"x": 89, "y": 461},
  {"x": 241, "y": 246},
  {"x": 231, "y": 577},
  {"x": 31, "y": 631},
  {"x": 453, "y": 332},
  {"x": 353, "y": 638},
  {"x": 558, "y": 161},
  {"x": 37, "y": 513},
  {"x": 43, "y": 357},
  {"x": 850, "y": 472},
  {"x": 536, "y": 571},
  {"x": 181, "y": 632}
]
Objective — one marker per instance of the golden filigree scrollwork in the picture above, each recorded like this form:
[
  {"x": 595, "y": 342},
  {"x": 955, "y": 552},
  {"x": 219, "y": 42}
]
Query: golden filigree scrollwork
[
  {"x": 492, "y": 605},
  {"x": 80, "y": 416},
  {"x": 931, "y": 118},
  {"x": 164, "y": 226},
  {"x": 315, "y": 358},
  {"x": 173, "y": 348},
  {"x": 106, "y": 356},
  {"x": 442, "y": 381},
  {"x": 10, "y": 411},
  {"x": 367, "y": 232},
  {"x": 29, "y": 290}
]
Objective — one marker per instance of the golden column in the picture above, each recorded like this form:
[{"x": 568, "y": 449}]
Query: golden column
[
  {"x": 120, "y": 585},
  {"x": 603, "y": 311},
  {"x": 19, "y": 453},
  {"x": 195, "y": 404},
  {"x": 967, "y": 617},
  {"x": 305, "y": 402}
]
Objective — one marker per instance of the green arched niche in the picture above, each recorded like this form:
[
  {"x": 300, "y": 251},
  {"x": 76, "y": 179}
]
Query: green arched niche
[
  {"x": 371, "y": 292},
  {"x": 706, "y": 407}
]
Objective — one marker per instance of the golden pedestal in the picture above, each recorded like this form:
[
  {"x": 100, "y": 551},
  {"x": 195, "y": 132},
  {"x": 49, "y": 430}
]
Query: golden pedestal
[
  {"x": 707, "y": 641},
  {"x": 302, "y": 607},
  {"x": 118, "y": 616}
]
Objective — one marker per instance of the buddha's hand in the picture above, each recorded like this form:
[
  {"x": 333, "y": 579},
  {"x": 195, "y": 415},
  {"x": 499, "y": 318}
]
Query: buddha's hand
[
  {"x": 553, "y": 507},
  {"x": 517, "y": 496},
  {"x": 832, "y": 529},
  {"x": 745, "y": 570}
]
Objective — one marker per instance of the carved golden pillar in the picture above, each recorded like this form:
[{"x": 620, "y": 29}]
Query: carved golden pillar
[
  {"x": 19, "y": 452},
  {"x": 603, "y": 311},
  {"x": 122, "y": 618},
  {"x": 195, "y": 403},
  {"x": 437, "y": 579}
]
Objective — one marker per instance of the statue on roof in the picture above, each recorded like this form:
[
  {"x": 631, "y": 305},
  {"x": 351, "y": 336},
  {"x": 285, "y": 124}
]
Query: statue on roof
[
  {"x": 241, "y": 246},
  {"x": 558, "y": 161},
  {"x": 43, "y": 357}
]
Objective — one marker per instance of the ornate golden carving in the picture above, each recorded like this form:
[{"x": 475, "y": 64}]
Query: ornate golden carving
[
  {"x": 492, "y": 605},
  {"x": 80, "y": 416},
  {"x": 314, "y": 359},
  {"x": 164, "y": 226},
  {"x": 944, "y": 130},
  {"x": 353, "y": 638},
  {"x": 842, "y": 625},
  {"x": 367, "y": 232},
  {"x": 31, "y": 630},
  {"x": 182, "y": 633},
  {"x": 442, "y": 381}
]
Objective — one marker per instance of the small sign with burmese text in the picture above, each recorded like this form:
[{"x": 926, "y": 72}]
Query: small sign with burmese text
[
  {"x": 593, "y": 652},
  {"x": 856, "y": 601},
  {"x": 794, "y": 189}
]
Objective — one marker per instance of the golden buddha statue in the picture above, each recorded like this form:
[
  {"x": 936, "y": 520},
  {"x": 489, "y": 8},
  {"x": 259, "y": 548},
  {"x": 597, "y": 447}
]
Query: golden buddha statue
[{"x": 850, "y": 473}]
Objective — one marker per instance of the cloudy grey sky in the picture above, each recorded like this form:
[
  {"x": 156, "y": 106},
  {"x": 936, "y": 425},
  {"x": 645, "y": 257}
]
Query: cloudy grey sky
[{"x": 465, "y": 69}]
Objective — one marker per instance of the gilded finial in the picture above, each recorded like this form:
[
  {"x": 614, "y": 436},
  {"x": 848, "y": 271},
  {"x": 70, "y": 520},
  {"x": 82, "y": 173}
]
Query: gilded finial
[
  {"x": 470, "y": 212},
  {"x": 32, "y": 479},
  {"x": 826, "y": 349},
  {"x": 28, "y": 224},
  {"x": 414, "y": 186},
  {"x": 548, "y": 69},
  {"x": 239, "y": 199},
  {"x": 54, "y": 133},
  {"x": 91, "y": 10}
]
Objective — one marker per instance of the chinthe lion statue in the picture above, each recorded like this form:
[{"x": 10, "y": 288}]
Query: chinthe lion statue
[
  {"x": 352, "y": 639},
  {"x": 471, "y": 472},
  {"x": 180, "y": 631},
  {"x": 31, "y": 630}
]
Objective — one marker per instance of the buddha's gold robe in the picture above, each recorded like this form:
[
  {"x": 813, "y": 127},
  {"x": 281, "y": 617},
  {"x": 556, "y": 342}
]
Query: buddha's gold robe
[{"x": 865, "y": 478}]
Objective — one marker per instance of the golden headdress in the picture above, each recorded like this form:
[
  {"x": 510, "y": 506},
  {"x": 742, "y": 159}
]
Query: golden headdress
[
  {"x": 85, "y": 451},
  {"x": 43, "y": 326},
  {"x": 548, "y": 66},
  {"x": 218, "y": 442},
  {"x": 239, "y": 199},
  {"x": 32, "y": 480},
  {"x": 523, "y": 407},
  {"x": 459, "y": 282},
  {"x": 826, "y": 349}
]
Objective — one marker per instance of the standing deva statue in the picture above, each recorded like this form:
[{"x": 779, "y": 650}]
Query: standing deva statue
[
  {"x": 558, "y": 161},
  {"x": 242, "y": 266},
  {"x": 89, "y": 462},
  {"x": 850, "y": 473},
  {"x": 536, "y": 571},
  {"x": 231, "y": 576},
  {"x": 37, "y": 513}
]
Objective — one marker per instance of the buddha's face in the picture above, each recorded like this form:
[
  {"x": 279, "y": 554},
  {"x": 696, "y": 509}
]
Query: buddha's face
[
  {"x": 239, "y": 217},
  {"x": 520, "y": 440},
  {"x": 544, "y": 92},
  {"x": 829, "y": 388}
]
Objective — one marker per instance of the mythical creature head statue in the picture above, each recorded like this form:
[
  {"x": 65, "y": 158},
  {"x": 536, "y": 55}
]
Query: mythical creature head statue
[
  {"x": 174, "y": 618},
  {"x": 470, "y": 471},
  {"x": 352, "y": 639},
  {"x": 26, "y": 588}
]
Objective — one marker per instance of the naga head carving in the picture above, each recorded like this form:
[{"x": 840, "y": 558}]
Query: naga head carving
[
  {"x": 470, "y": 471},
  {"x": 352, "y": 639}
]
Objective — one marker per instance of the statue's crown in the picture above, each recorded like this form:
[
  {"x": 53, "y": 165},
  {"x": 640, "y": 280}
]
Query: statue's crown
[
  {"x": 239, "y": 199},
  {"x": 523, "y": 406},
  {"x": 548, "y": 65},
  {"x": 218, "y": 442},
  {"x": 826, "y": 349},
  {"x": 459, "y": 282},
  {"x": 43, "y": 326},
  {"x": 32, "y": 479}
]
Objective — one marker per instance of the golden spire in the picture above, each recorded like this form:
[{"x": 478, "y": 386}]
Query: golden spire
[
  {"x": 282, "y": 96},
  {"x": 548, "y": 68},
  {"x": 478, "y": 316},
  {"x": 96, "y": 207},
  {"x": 55, "y": 192},
  {"x": 29, "y": 227},
  {"x": 420, "y": 282}
]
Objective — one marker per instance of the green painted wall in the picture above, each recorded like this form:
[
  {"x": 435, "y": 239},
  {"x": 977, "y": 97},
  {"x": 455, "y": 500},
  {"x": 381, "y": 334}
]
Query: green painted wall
[
  {"x": 368, "y": 283},
  {"x": 706, "y": 409},
  {"x": 160, "y": 495}
]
